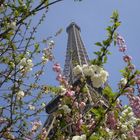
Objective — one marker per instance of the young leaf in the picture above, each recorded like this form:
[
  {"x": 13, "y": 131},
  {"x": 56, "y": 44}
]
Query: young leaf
[{"x": 98, "y": 44}]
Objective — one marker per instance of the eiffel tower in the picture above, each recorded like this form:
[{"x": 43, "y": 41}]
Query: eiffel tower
[{"x": 75, "y": 55}]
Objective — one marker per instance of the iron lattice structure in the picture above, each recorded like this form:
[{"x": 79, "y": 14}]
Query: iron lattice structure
[{"x": 76, "y": 53}]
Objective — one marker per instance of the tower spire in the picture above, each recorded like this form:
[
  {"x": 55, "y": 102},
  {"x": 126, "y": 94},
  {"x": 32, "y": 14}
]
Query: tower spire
[{"x": 76, "y": 53}]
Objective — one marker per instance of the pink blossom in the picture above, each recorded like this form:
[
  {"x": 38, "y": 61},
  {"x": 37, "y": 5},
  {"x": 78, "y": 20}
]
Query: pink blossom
[
  {"x": 131, "y": 67},
  {"x": 135, "y": 104},
  {"x": 82, "y": 105},
  {"x": 138, "y": 79},
  {"x": 137, "y": 131},
  {"x": 64, "y": 81},
  {"x": 120, "y": 41},
  {"x": 70, "y": 93},
  {"x": 127, "y": 58},
  {"x": 50, "y": 57},
  {"x": 131, "y": 134},
  {"x": 122, "y": 49},
  {"x": 130, "y": 89},
  {"x": 80, "y": 122},
  {"x": 111, "y": 120},
  {"x": 57, "y": 68},
  {"x": 35, "y": 125},
  {"x": 27, "y": 139},
  {"x": 76, "y": 104},
  {"x": 59, "y": 77},
  {"x": 48, "y": 54}
]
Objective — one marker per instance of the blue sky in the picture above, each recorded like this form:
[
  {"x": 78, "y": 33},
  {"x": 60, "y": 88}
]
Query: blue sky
[{"x": 93, "y": 16}]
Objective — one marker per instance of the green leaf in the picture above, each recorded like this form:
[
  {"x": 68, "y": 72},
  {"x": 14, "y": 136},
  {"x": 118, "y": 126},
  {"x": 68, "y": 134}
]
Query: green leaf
[
  {"x": 36, "y": 48},
  {"x": 108, "y": 92},
  {"x": 47, "y": 2},
  {"x": 106, "y": 42},
  {"x": 109, "y": 53},
  {"x": 85, "y": 129},
  {"x": 20, "y": 2},
  {"x": 98, "y": 44},
  {"x": 117, "y": 24},
  {"x": 105, "y": 59},
  {"x": 94, "y": 137},
  {"x": 97, "y": 53},
  {"x": 109, "y": 29},
  {"x": 115, "y": 15},
  {"x": 98, "y": 112}
]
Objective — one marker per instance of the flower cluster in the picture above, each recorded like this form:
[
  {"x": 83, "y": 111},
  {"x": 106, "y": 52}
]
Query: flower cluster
[
  {"x": 62, "y": 80},
  {"x": 43, "y": 134},
  {"x": 97, "y": 74},
  {"x": 25, "y": 65},
  {"x": 66, "y": 109},
  {"x": 31, "y": 107},
  {"x": 121, "y": 43},
  {"x": 82, "y": 137},
  {"x": 127, "y": 119},
  {"x": 20, "y": 94},
  {"x": 127, "y": 124},
  {"x": 47, "y": 53},
  {"x": 111, "y": 120},
  {"x": 122, "y": 48},
  {"x": 2, "y": 120},
  {"x": 35, "y": 125},
  {"x": 127, "y": 58},
  {"x": 12, "y": 25},
  {"x": 57, "y": 68},
  {"x": 135, "y": 104},
  {"x": 138, "y": 83}
]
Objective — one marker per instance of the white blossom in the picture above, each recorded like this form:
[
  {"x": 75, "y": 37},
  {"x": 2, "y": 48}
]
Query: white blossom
[
  {"x": 96, "y": 81},
  {"x": 31, "y": 107},
  {"x": 63, "y": 89},
  {"x": 30, "y": 63},
  {"x": 104, "y": 75},
  {"x": 66, "y": 109},
  {"x": 1, "y": 8},
  {"x": 44, "y": 58},
  {"x": 35, "y": 125},
  {"x": 23, "y": 61},
  {"x": 97, "y": 74},
  {"x": 2, "y": 120},
  {"x": 96, "y": 69},
  {"x": 51, "y": 44},
  {"x": 123, "y": 81},
  {"x": 77, "y": 70},
  {"x": 87, "y": 70},
  {"x": 43, "y": 104},
  {"x": 124, "y": 128},
  {"x": 13, "y": 25},
  {"x": 82, "y": 137},
  {"x": 123, "y": 137},
  {"x": 26, "y": 65},
  {"x": 20, "y": 94}
]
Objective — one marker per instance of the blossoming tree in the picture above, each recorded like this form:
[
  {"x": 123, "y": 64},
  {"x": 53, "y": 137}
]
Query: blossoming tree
[{"x": 23, "y": 96}]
